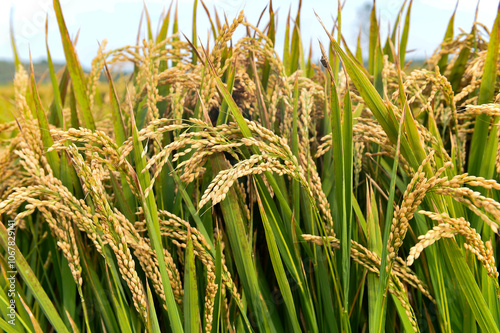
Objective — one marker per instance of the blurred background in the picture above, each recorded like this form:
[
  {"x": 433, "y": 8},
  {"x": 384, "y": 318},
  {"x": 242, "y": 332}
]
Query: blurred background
[{"x": 118, "y": 22}]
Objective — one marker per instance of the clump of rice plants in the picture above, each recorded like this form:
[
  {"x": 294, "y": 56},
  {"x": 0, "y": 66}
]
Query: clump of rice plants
[{"x": 231, "y": 189}]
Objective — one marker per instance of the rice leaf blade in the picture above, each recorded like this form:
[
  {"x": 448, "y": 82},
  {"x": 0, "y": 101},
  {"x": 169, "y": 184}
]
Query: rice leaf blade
[
  {"x": 191, "y": 306},
  {"x": 33, "y": 283},
  {"x": 75, "y": 70},
  {"x": 486, "y": 92},
  {"x": 151, "y": 215}
]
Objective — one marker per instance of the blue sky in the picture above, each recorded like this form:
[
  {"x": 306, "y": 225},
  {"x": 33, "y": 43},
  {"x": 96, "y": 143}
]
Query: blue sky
[{"x": 118, "y": 21}]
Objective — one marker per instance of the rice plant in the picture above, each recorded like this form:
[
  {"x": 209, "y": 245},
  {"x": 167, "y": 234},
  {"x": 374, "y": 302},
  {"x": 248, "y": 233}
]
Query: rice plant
[{"x": 233, "y": 187}]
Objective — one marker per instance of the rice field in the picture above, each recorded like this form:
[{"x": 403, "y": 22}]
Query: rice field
[{"x": 234, "y": 187}]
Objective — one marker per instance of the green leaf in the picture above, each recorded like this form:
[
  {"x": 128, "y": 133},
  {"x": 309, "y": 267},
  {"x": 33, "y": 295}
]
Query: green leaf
[
  {"x": 106, "y": 311},
  {"x": 148, "y": 22},
  {"x": 55, "y": 87},
  {"x": 286, "y": 45},
  {"x": 214, "y": 30},
  {"x": 486, "y": 94},
  {"x": 464, "y": 278},
  {"x": 194, "y": 39},
  {"x": 242, "y": 251},
  {"x": 32, "y": 282},
  {"x": 153, "y": 226},
  {"x": 359, "y": 51},
  {"x": 17, "y": 62},
  {"x": 75, "y": 70},
  {"x": 380, "y": 305},
  {"x": 271, "y": 34},
  {"x": 52, "y": 156},
  {"x": 448, "y": 37},
  {"x": 153, "y": 317},
  {"x": 296, "y": 46},
  {"x": 373, "y": 40},
  {"x": 404, "y": 37},
  {"x": 8, "y": 328},
  {"x": 382, "y": 112},
  {"x": 191, "y": 306},
  {"x": 120, "y": 130},
  {"x": 374, "y": 238},
  {"x": 279, "y": 270},
  {"x": 162, "y": 35},
  {"x": 218, "y": 296},
  {"x": 347, "y": 182}
]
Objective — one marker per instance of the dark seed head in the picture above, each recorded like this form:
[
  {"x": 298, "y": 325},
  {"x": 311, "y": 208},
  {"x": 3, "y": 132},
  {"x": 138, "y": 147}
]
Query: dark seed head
[{"x": 324, "y": 62}]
